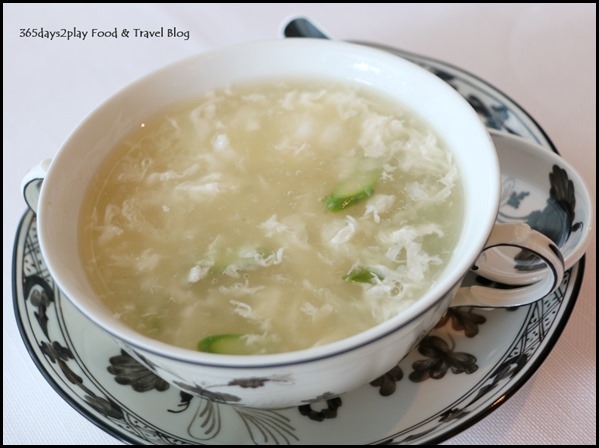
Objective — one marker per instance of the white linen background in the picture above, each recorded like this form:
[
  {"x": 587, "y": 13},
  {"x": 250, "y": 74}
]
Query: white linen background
[{"x": 542, "y": 56}]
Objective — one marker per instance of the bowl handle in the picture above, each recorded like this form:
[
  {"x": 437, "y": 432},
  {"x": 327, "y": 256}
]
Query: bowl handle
[
  {"x": 31, "y": 185},
  {"x": 302, "y": 27},
  {"x": 518, "y": 235}
]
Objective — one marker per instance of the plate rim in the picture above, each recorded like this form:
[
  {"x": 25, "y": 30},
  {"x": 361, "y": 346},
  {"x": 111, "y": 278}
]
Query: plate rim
[
  {"x": 37, "y": 361},
  {"x": 531, "y": 370}
]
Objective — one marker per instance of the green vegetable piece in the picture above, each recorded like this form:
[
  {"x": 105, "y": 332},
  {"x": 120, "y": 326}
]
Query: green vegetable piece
[
  {"x": 247, "y": 262},
  {"x": 225, "y": 344},
  {"x": 352, "y": 190},
  {"x": 154, "y": 323},
  {"x": 362, "y": 275}
]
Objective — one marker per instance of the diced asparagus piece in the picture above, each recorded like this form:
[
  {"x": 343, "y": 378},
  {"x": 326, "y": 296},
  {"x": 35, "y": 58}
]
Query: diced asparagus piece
[
  {"x": 350, "y": 191},
  {"x": 242, "y": 260},
  {"x": 362, "y": 275},
  {"x": 225, "y": 344}
]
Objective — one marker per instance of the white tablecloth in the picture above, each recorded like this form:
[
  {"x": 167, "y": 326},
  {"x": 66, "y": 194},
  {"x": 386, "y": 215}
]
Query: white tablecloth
[{"x": 543, "y": 56}]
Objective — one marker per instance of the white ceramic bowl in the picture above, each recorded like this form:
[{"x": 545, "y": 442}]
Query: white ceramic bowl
[{"x": 293, "y": 378}]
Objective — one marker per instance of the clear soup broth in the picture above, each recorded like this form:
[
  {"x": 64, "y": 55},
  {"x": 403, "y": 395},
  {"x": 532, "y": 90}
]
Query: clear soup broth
[{"x": 271, "y": 217}]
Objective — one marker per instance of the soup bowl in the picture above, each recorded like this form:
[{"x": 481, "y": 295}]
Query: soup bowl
[{"x": 56, "y": 190}]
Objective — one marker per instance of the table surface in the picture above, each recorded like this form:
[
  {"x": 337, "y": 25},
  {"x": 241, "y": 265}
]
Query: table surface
[{"x": 542, "y": 56}]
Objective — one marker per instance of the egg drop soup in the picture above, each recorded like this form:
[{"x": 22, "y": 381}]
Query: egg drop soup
[{"x": 271, "y": 217}]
